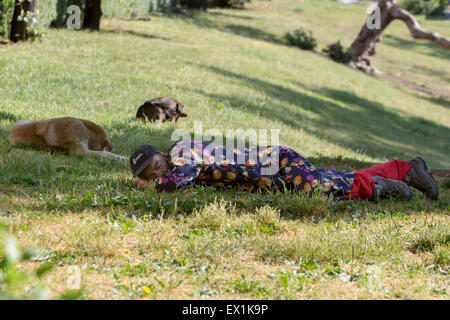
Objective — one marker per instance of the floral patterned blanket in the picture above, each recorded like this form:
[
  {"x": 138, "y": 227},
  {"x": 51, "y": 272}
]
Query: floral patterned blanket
[{"x": 202, "y": 163}]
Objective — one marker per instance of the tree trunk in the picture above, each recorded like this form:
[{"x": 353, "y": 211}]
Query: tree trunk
[
  {"x": 363, "y": 48},
  {"x": 61, "y": 12},
  {"x": 92, "y": 14},
  {"x": 19, "y": 28}
]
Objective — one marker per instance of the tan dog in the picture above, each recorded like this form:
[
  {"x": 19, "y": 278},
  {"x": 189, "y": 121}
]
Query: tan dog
[
  {"x": 162, "y": 109},
  {"x": 70, "y": 135}
]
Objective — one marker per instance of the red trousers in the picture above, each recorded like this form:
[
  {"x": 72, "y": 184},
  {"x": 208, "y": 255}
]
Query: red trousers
[{"x": 362, "y": 187}]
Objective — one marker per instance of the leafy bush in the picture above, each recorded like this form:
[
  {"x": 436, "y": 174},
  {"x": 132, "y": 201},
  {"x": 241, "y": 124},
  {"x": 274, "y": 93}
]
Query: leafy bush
[
  {"x": 337, "y": 53},
  {"x": 163, "y": 5},
  {"x": 34, "y": 27},
  {"x": 428, "y": 7},
  {"x": 6, "y": 12},
  {"x": 47, "y": 11},
  {"x": 302, "y": 39}
]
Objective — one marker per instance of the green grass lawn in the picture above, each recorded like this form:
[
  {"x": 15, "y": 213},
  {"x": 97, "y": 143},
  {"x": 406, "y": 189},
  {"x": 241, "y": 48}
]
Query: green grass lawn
[{"x": 231, "y": 69}]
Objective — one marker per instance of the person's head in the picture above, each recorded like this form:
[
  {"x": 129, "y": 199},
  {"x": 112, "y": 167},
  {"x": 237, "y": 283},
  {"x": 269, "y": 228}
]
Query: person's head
[{"x": 148, "y": 163}]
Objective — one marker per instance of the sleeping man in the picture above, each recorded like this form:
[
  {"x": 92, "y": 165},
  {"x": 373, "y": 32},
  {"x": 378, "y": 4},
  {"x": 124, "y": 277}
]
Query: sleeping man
[{"x": 190, "y": 163}]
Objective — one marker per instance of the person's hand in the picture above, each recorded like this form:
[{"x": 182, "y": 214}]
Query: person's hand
[{"x": 141, "y": 182}]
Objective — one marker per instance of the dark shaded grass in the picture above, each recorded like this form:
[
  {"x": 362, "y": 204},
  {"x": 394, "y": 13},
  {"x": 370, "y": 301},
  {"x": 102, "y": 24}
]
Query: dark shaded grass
[
  {"x": 132, "y": 33},
  {"x": 203, "y": 21},
  {"x": 354, "y": 129},
  {"x": 62, "y": 183},
  {"x": 431, "y": 49}
]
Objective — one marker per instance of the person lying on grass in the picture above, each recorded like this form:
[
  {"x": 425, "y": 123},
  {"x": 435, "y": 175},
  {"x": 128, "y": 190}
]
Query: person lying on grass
[{"x": 190, "y": 163}]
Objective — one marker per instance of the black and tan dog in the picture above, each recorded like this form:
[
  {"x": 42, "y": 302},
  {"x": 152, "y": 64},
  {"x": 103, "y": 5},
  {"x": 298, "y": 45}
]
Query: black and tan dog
[
  {"x": 69, "y": 135},
  {"x": 162, "y": 109}
]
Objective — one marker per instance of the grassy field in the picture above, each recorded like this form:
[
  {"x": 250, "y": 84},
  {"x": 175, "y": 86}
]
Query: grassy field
[{"x": 231, "y": 69}]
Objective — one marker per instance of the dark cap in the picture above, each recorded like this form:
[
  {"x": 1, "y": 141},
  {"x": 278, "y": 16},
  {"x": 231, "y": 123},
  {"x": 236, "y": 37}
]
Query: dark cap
[{"x": 141, "y": 158}]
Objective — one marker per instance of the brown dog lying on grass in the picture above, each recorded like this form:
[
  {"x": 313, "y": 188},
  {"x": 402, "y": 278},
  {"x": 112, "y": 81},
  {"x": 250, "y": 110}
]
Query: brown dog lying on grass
[
  {"x": 69, "y": 135},
  {"x": 162, "y": 109}
]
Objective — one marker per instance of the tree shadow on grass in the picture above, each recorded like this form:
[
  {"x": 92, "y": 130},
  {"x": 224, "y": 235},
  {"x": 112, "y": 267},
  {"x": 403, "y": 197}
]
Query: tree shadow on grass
[
  {"x": 345, "y": 119},
  {"x": 443, "y": 102},
  {"x": 339, "y": 163},
  {"x": 127, "y": 137},
  {"x": 229, "y": 15},
  {"x": 252, "y": 33},
  {"x": 133, "y": 32},
  {"x": 397, "y": 42},
  {"x": 439, "y": 90},
  {"x": 203, "y": 21},
  {"x": 439, "y": 73},
  {"x": 128, "y": 134}
]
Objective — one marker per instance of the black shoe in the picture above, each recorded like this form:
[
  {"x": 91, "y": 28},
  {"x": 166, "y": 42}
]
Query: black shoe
[
  {"x": 385, "y": 188},
  {"x": 420, "y": 178}
]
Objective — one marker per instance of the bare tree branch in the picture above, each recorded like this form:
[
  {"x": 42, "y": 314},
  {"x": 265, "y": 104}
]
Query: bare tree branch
[
  {"x": 417, "y": 32},
  {"x": 364, "y": 48}
]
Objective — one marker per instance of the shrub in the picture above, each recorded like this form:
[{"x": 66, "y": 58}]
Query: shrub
[
  {"x": 34, "y": 25},
  {"x": 428, "y": 7},
  {"x": 302, "y": 39},
  {"x": 337, "y": 53},
  {"x": 163, "y": 5},
  {"x": 6, "y": 12}
]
